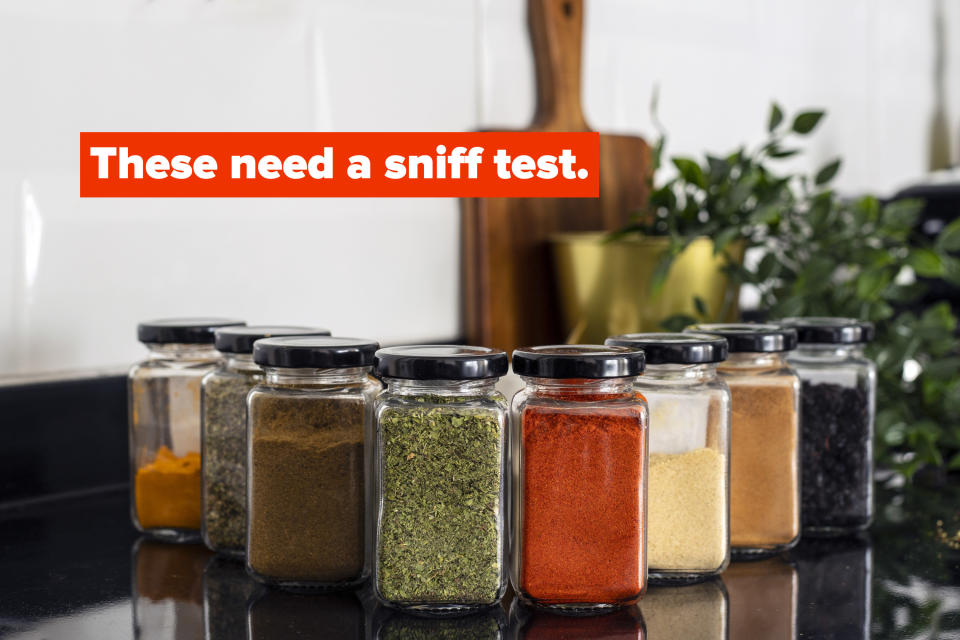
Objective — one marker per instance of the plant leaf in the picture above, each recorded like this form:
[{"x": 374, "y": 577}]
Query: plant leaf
[
  {"x": 783, "y": 153},
  {"x": 767, "y": 267},
  {"x": 872, "y": 282},
  {"x": 954, "y": 462},
  {"x": 678, "y": 322},
  {"x": 901, "y": 215},
  {"x": 660, "y": 273},
  {"x": 724, "y": 238},
  {"x": 767, "y": 214},
  {"x": 690, "y": 171},
  {"x": 925, "y": 263},
  {"x": 776, "y": 117},
  {"x": 951, "y": 269},
  {"x": 807, "y": 121},
  {"x": 700, "y": 306},
  {"x": 949, "y": 237},
  {"x": 827, "y": 172}
]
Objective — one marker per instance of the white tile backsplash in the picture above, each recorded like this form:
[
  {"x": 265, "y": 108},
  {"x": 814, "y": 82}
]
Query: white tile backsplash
[{"x": 76, "y": 275}]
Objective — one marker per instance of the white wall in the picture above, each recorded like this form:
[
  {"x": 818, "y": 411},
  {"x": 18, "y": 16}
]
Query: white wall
[{"x": 76, "y": 275}]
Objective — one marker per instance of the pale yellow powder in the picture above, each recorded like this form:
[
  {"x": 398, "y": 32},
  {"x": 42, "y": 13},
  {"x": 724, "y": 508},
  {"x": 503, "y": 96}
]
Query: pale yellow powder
[{"x": 687, "y": 513}]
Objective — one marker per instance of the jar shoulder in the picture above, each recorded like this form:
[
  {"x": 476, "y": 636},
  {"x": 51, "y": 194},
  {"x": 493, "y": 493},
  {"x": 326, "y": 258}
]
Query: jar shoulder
[
  {"x": 222, "y": 377},
  {"x": 782, "y": 375},
  {"x": 366, "y": 390},
  {"x": 493, "y": 403},
  {"x": 714, "y": 388},
  {"x": 860, "y": 366},
  {"x": 526, "y": 400},
  {"x": 171, "y": 368}
]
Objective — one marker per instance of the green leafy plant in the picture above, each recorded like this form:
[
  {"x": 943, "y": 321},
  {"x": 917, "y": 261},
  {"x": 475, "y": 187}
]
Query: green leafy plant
[{"x": 827, "y": 255}]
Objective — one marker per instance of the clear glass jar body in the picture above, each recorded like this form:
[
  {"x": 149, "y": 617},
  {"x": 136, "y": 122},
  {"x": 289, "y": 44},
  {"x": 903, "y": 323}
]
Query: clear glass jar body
[
  {"x": 223, "y": 410},
  {"x": 164, "y": 419},
  {"x": 310, "y": 435},
  {"x": 838, "y": 402},
  {"x": 579, "y": 459},
  {"x": 441, "y": 512},
  {"x": 764, "y": 453},
  {"x": 688, "y": 505}
]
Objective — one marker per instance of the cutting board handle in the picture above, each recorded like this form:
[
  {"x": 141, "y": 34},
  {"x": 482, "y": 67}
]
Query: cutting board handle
[{"x": 556, "y": 31}]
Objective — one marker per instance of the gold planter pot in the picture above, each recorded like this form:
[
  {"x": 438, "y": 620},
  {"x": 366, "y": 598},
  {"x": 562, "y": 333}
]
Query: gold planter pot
[{"x": 604, "y": 287}]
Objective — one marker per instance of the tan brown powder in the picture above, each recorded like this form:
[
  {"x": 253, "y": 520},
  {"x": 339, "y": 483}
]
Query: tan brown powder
[
  {"x": 307, "y": 488},
  {"x": 764, "y": 475},
  {"x": 687, "y": 519}
]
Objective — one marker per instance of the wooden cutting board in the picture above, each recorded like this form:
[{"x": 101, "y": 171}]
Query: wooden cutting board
[{"x": 510, "y": 297}]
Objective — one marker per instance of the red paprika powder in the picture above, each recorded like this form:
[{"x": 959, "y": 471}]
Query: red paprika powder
[{"x": 582, "y": 446}]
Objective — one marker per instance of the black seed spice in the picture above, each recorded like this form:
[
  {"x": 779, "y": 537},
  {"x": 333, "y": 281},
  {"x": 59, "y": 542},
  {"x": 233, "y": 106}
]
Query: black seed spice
[{"x": 836, "y": 457}]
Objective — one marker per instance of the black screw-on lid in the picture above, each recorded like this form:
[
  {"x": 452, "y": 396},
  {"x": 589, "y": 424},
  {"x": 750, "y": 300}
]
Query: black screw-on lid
[
  {"x": 441, "y": 362},
  {"x": 674, "y": 348},
  {"x": 751, "y": 338},
  {"x": 183, "y": 330},
  {"x": 578, "y": 361},
  {"x": 830, "y": 330},
  {"x": 314, "y": 352},
  {"x": 241, "y": 339}
]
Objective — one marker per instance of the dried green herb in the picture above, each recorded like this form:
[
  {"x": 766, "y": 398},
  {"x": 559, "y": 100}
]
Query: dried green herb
[
  {"x": 439, "y": 536},
  {"x": 225, "y": 459},
  {"x": 307, "y": 504}
]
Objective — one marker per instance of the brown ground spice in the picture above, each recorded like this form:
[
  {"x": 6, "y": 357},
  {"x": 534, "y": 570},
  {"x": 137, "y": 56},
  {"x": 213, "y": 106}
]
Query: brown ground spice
[
  {"x": 307, "y": 488},
  {"x": 764, "y": 475}
]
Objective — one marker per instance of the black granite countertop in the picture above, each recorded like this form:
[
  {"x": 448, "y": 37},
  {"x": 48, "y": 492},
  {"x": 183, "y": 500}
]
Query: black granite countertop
[{"x": 75, "y": 568}]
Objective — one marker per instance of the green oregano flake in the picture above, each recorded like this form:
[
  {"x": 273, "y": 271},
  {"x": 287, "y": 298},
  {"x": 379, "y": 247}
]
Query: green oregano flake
[
  {"x": 440, "y": 533},
  {"x": 225, "y": 459}
]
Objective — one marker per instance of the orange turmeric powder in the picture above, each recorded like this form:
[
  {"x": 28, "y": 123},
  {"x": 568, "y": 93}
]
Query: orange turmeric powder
[{"x": 168, "y": 491}]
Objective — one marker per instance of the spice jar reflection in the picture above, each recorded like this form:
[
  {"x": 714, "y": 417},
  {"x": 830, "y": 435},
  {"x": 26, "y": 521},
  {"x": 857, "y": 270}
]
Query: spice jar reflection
[
  {"x": 278, "y": 615},
  {"x": 227, "y": 589},
  {"x": 485, "y": 624},
  {"x": 692, "y": 612},
  {"x": 835, "y": 590},
  {"x": 763, "y": 599},
  {"x": 536, "y": 624},
  {"x": 168, "y": 590}
]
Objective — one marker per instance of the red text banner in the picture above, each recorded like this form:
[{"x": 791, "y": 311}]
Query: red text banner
[{"x": 181, "y": 165}]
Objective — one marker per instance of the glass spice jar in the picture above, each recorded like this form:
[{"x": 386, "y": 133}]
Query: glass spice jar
[
  {"x": 164, "y": 418},
  {"x": 310, "y": 429},
  {"x": 223, "y": 410},
  {"x": 838, "y": 400},
  {"x": 688, "y": 496},
  {"x": 764, "y": 436},
  {"x": 580, "y": 461},
  {"x": 441, "y": 463}
]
